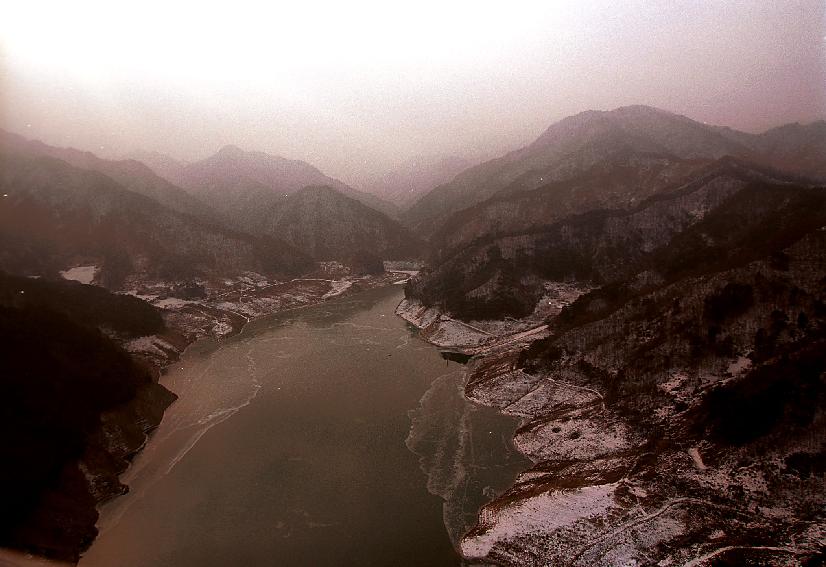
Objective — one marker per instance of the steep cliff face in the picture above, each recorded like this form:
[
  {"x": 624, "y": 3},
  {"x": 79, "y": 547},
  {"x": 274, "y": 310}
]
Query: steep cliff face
[
  {"x": 55, "y": 216},
  {"x": 74, "y": 408}
]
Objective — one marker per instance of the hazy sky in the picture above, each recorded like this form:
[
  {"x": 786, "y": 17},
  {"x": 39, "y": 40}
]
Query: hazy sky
[{"x": 355, "y": 87}]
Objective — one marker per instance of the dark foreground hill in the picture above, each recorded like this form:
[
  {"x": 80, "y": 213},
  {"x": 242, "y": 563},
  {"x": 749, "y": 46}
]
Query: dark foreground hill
[{"x": 62, "y": 371}]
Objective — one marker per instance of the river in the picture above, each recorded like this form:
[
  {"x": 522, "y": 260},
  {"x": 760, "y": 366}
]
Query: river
[{"x": 328, "y": 435}]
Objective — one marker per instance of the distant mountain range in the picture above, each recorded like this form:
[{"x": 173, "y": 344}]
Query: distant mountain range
[
  {"x": 167, "y": 167},
  {"x": 238, "y": 183},
  {"x": 130, "y": 174},
  {"x": 502, "y": 273},
  {"x": 677, "y": 384},
  {"x": 328, "y": 224},
  {"x": 66, "y": 208},
  {"x": 574, "y": 145},
  {"x": 408, "y": 182},
  {"x": 267, "y": 195},
  {"x": 54, "y": 216}
]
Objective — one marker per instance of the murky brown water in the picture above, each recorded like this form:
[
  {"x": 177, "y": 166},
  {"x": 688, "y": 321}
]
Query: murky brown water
[{"x": 325, "y": 436}]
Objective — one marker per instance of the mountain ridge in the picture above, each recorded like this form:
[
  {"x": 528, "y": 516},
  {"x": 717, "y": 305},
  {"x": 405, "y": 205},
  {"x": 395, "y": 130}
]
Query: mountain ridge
[
  {"x": 229, "y": 177},
  {"x": 56, "y": 216},
  {"x": 578, "y": 142},
  {"x": 132, "y": 174},
  {"x": 329, "y": 224}
]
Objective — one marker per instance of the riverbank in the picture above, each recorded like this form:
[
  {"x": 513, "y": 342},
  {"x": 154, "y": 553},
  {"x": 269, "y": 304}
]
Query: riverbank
[
  {"x": 613, "y": 487},
  {"x": 343, "y": 410},
  {"x": 225, "y": 308},
  {"x": 222, "y": 311}
]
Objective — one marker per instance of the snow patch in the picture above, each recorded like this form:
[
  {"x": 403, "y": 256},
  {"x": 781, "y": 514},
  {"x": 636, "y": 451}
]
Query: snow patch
[
  {"x": 740, "y": 365},
  {"x": 337, "y": 287},
  {"x": 537, "y": 515},
  {"x": 440, "y": 329},
  {"x": 694, "y": 453},
  {"x": 82, "y": 274},
  {"x": 150, "y": 344},
  {"x": 577, "y": 438},
  {"x": 221, "y": 329},
  {"x": 172, "y": 303}
]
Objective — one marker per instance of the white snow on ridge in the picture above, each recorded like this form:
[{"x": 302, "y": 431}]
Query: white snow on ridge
[{"x": 82, "y": 274}]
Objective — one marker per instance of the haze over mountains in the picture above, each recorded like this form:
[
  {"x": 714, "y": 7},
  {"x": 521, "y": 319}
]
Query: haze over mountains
[
  {"x": 231, "y": 179},
  {"x": 133, "y": 175},
  {"x": 272, "y": 196},
  {"x": 594, "y": 160},
  {"x": 578, "y": 142},
  {"x": 56, "y": 216},
  {"x": 651, "y": 267},
  {"x": 615, "y": 160},
  {"x": 601, "y": 224},
  {"x": 661, "y": 281},
  {"x": 128, "y": 221},
  {"x": 409, "y": 181}
]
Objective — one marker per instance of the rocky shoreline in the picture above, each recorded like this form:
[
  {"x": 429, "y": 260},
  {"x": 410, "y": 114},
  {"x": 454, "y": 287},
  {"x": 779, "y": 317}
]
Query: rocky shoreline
[
  {"x": 222, "y": 310},
  {"x": 611, "y": 488},
  {"x": 125, "y": 431}
]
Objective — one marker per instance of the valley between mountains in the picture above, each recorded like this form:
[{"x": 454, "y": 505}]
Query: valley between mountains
[{"x": 642, "y": 293}]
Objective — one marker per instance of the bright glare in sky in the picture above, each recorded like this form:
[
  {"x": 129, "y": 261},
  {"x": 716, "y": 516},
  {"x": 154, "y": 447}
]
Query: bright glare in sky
[
  {"x": 254, "y": 41},
  {"x": 359, "y": 86}
]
